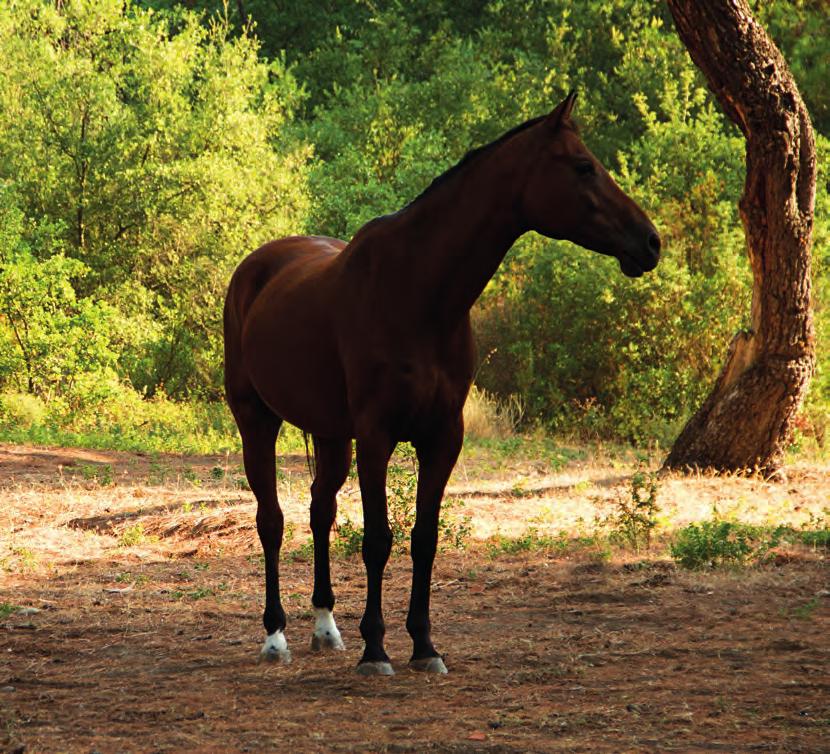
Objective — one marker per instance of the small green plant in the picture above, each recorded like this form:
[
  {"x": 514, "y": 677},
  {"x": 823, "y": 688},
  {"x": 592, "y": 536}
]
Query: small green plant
[
  {"x": 819, "y": 538},
  {"x": 132, "y": 536},
  {"x": 302, "y": 553},
  {"x": 594, "y": 547},
  {"x": 6, "y": 609},
  {"x": 26, "y": 558},
  {"x": 713, "y": 543},
  {"x": 127, "y": 577},
  {"x": 349, "y": 538},
  {"x": 816, "y": 533},
  {"x": 402, "y": 483},
  {"x": 636, "y": 515},
  {"x": 530, "y": 541},
  {"x": 100, "y": 473},
  {"x": 288, "y": 531},
  {"x": 519, "y": 490},
  {"x": 802, "y": 612},
  {"x": 217, "y": 473},
  {"x": 159, "y": 471},
  {"x": 200, "y": 593},
  {"x": 454, "y": 529}
]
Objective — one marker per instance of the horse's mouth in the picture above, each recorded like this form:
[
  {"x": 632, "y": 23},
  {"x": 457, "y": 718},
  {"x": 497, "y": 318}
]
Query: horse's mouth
[{"x": 632, "y": 267}]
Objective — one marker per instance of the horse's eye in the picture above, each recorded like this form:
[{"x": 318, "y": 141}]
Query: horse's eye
[{"x": 585, "y": 167}]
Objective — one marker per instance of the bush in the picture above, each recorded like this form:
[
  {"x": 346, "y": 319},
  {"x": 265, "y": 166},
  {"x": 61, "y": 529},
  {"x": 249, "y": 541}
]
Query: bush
[
  {"x": 21, "y": 410},
  {"x": 636, "y": 515},
  {"x": 114, "y": 416},
  {"x": 711, "y": 544}
]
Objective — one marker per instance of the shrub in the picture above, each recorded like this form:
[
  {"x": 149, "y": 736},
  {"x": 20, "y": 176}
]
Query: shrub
[
  {"x": 636, "y": 515},
  {"x": 710, "y": 544}
]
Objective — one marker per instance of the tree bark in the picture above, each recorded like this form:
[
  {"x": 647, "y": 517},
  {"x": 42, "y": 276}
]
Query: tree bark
[{"x": 747, "y": 420}]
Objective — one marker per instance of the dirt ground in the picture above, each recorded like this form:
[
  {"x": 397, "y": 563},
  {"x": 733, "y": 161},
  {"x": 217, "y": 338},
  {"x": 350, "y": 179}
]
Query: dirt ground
[{"x": 130, "y": 601}]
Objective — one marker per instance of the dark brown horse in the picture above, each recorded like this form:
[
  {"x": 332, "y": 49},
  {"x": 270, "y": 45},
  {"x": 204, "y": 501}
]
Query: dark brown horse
[{"x": 371, "y": 340}]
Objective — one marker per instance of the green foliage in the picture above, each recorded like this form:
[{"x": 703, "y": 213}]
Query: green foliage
[
  {"x": 156, "y": 147},
  {"x": 146, "y": 147},
  {"x": 349, "y": 538},
  {"x": 636, "y": 516},
  {"x": 133, "y": 536},
  {"x": 100, "y": 473},
  {"x": 802, "y": 612},
  {"x": 120, "y": 419},
  {"x": 711, "y": 544},
  {"x": 563, "y": 544}
]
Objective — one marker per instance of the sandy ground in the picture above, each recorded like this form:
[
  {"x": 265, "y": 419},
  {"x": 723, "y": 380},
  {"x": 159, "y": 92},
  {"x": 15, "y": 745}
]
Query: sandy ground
[{"x": 130, "y": 596}]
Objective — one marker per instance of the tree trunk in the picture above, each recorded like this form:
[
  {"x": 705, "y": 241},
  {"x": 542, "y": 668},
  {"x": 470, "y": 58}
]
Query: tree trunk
[{"x": 747, "y": 420}]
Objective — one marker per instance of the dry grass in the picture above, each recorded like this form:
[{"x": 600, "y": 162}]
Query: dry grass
[
  {"x": 55, "y": 508},
  {"x": 487, "y": 417}
]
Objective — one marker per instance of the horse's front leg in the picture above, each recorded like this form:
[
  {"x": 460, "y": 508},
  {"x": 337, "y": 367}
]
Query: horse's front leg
[
  {"x": 436, "y": 458},
  {"x": 332, "y": 461},
  {"x": 373, "y": 453}
]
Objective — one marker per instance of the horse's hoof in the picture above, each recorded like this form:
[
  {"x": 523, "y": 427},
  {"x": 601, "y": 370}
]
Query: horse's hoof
[
  {"x": 322, "y": 643},
  {"x": 275, "y": 649},
  {"x": 429, "y": 665},
  {"x": 375, "y": 668},
  {"x": 326, "y": 635},
  {"x": 272, "y": 655}
]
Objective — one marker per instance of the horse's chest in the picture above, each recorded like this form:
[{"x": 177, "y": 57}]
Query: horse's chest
[{"x": 411, "y": 391}]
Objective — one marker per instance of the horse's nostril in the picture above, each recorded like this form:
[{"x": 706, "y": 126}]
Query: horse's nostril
[{"x": 654, "y": 242}]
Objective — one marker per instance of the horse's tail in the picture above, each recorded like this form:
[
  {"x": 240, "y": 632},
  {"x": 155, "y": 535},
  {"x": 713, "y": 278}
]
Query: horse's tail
[{"x": 310, "y": 456}]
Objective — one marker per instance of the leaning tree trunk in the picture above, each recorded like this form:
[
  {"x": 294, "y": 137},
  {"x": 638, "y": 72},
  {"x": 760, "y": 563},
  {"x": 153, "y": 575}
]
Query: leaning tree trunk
[{"x": 747, "y": 420}]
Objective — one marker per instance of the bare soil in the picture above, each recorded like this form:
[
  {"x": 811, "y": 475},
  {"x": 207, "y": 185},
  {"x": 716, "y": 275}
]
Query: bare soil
[{"x": 130, "y": 601}]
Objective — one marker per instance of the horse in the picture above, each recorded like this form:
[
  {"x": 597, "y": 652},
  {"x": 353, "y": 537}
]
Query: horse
[{"x": 371, "y": 341}]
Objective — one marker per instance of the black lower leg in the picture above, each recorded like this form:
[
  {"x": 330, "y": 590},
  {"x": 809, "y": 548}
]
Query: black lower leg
[
  {"x": 333, "y": 459},
  {"x": 323, "y": 595},
  {"x": 424, "y": 543},
  {"x": 270, "y": 528},
  {"x": 377, "y": 544},
  {"x": 436, "y": 457}
]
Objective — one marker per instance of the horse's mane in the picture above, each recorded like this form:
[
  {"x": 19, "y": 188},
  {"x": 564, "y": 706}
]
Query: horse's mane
[{"x": 474, "y": 154}]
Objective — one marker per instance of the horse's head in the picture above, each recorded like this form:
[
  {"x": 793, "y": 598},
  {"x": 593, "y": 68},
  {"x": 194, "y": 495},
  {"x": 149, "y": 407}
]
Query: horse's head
[{"x": 569, "y": 194}]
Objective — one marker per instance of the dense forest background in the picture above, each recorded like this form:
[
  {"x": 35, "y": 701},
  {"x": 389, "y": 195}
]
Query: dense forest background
[{"x": 146, "y": 147}]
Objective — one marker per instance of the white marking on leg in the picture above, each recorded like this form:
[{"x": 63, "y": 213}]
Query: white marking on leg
[
  {"x": 326, "y": 635},
  {"x": 275, "y": 648}
]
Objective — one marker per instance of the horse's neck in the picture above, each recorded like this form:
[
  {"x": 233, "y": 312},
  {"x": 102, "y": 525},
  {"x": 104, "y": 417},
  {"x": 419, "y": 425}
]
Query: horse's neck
[{"x": 458, "y": 234}]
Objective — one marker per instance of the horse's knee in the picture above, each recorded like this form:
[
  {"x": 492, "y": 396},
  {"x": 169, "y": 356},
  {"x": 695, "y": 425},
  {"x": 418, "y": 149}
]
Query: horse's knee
[
  {"x": 424, "y": 539},
  {"x": 270, "y": 525},
  {"x": 377, "y": 546},
  {"x": 323, "y": 512}
]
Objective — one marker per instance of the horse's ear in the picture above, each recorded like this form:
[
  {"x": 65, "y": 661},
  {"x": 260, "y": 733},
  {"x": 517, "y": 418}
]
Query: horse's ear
[{"x": 562, "y": 112}]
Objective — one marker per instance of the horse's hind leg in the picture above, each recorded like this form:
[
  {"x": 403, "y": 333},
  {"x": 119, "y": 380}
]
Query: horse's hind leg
[
  {"x": 259, "y": 427},
  {"x": 332, "y": 461}
]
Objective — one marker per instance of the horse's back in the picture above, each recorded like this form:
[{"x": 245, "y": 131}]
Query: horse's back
[
  {"x": 262, "y": 266},
  {"x": 278, "y": 335}
]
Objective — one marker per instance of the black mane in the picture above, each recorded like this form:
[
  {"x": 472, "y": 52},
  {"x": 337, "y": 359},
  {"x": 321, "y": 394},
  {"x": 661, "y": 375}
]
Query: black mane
[{"x": 473, "y": 154}]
